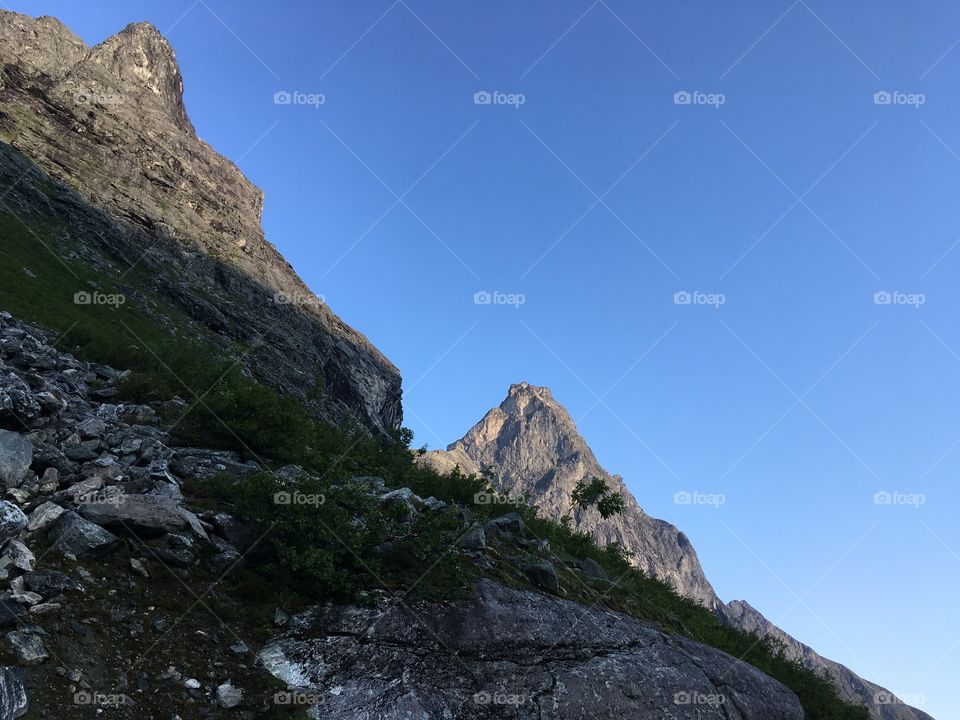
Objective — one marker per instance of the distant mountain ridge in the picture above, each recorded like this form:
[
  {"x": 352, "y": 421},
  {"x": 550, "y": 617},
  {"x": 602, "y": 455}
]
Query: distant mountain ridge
[{"x": 530, "y": 445}]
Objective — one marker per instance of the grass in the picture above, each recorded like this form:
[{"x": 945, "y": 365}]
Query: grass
[{"x": 347, "y": 544}]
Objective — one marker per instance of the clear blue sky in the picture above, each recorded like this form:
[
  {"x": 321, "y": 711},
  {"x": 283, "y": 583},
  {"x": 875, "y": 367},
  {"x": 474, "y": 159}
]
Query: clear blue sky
[{"x": 797, "y": 199}]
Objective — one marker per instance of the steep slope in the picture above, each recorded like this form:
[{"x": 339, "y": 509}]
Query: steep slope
[
  {"x": 883, "y": 704},
  {"x": 110, "y": 123},
  {"x": 531, "y": 446}
]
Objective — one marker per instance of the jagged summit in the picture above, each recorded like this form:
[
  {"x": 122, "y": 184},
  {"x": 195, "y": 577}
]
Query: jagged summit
[
  {"x": 109, "y": 122},
  {"x": 530, "y": 444},
  {"x": 143, "y": 66}
]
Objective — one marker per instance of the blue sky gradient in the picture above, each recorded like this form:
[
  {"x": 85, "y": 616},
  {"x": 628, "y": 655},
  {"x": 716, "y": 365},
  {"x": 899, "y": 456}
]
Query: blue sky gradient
[{"x": 597, "y": 199}]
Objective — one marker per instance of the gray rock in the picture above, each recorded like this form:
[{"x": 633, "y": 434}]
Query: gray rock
[
  {"x": 44, "y": 516},
  {"x": 81, "y": 538},
  {"x": 12, "y": 520},
  {"x": 474, "y": 539},
  {"x": 50, "y": 583},
  {"x": 536, "y": 657},
  {"x": 229, "y": 696},
  {"x": 13, "y": 693},
  {"x": 10, "y": 613},
  {"x": 16, "y": 454},
  {"x": 28, "y": 647},
  {"x": 510, "y": 524},
  {"x": 20, "y": 555},
  {"x": 544, "y": 575},
  {"x": 138, "y": 515}
]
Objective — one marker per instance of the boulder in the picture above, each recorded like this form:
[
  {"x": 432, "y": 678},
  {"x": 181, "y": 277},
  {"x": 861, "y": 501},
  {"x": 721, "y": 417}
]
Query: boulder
[
  {"x": 510, "y": 524},
  {"x": 10, "y": 614},
  {"x": 81, "y": 538},
  {"x": 13, "y": 693},
  {"x": 12, "y": 520},
  {"x": 44, "y": 516},
  {"x": 535, "y": 656},
  {"x": 137, "y": 515},
  {"x": 50, "y": 583},
  {"x": 544, "y": 576},
  {"x": 229, "y": 696},
  {"x": 16, "y": 455},
  {"x": 20, "y": 555},
  {"x": 28, "y": 647}
]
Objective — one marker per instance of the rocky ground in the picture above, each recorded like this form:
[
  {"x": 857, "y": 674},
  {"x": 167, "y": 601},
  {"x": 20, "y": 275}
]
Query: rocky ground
[{"x": 119, "y": 599}]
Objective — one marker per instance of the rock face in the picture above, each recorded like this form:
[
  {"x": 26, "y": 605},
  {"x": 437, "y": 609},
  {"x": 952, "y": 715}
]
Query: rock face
[
  {"x": 883, "y": 704},
  {"x": 110, "y": 123},
  {"x": 511, "y": 653},
  {"x": 530, "y": 445}
]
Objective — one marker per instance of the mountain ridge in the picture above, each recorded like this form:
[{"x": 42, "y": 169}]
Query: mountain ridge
[
  {"x": 542, "y": 458},
  {"x": 109, "y": 122}
]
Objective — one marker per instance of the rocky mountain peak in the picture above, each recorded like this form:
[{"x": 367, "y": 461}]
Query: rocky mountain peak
[
  {"x": 142, "y": 66},
  {"x": 530, "y": 445}
]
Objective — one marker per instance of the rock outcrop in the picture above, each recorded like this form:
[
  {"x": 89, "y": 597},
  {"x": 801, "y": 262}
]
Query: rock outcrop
[
  {"x": 883, "y": 704},
  {"x": 156, "y": 203},
  {"x": 530, "y": 446},
  {"x": 511, "y": 653}
]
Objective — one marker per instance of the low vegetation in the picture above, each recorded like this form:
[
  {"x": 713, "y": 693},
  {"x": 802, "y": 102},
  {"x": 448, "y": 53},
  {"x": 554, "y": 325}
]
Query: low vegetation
[{"x": 348, "y": 543}]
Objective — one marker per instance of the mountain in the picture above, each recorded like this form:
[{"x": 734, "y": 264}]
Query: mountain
[
  {"x": 883, "y": 704},
  {"x": 530, "y": 446},
  {"x": 158, "y": 210}
]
